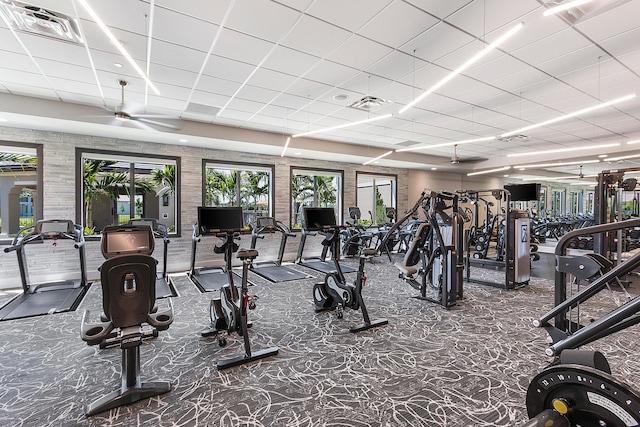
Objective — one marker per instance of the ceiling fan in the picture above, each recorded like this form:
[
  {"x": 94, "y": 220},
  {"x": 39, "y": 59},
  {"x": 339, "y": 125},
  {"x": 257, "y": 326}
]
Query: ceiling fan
[
  {"x": 134, "y": 113},
  {"x": 457, "y": 160}
]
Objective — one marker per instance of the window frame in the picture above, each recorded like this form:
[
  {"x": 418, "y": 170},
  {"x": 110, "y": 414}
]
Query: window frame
[
  {"x": 373, "y": 176},
  {"x": 124, "y": 156},
  {"x": 39, "y": 209},
  {"x": 317, "y": 171},
  {"x": 241, "y": 166}
]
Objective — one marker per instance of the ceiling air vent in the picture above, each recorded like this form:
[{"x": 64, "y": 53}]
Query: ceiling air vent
[
  {"x": 37, "y": 20},
  {"x": 585, "y": 11},
  {"x": 368, "y": 103}
]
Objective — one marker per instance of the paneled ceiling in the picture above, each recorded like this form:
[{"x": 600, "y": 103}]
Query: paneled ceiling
[{"x": 225, "y": 69}]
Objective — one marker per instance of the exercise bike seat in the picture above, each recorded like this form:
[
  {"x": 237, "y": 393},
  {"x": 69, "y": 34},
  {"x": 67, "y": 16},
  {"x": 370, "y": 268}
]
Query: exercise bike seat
[
  {"x": 369, "y": 252},
  {"x": 247, "y": 253},
  {"x": 405, "y": 269}
]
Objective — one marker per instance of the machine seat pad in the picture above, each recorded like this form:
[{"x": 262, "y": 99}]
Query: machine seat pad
[{"x": 406, "y": 270}]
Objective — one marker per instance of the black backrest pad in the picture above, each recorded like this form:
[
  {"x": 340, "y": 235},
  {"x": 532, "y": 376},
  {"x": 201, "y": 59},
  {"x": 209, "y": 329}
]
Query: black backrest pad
[{"x": 125, "y": 305}]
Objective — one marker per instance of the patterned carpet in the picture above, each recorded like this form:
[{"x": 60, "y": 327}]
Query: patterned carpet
[{"x": 469, "y": 365}]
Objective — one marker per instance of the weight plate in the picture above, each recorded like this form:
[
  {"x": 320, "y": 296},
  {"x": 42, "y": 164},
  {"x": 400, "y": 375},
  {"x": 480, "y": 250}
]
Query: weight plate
[{"x": 594, "y": 398}]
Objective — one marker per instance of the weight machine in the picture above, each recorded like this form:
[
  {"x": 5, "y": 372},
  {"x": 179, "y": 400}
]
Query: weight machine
[{"x": 501, "y": 242}]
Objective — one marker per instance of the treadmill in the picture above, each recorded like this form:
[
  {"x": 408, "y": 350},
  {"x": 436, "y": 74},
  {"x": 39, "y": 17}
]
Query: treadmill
[
  {"x": 312, "y": 217},
  {"x": 164, "y": 285},
  {"x": 273, "y": 270},
  {"x": 210, "y": 221},
  {"x": 58, "y": 296}
]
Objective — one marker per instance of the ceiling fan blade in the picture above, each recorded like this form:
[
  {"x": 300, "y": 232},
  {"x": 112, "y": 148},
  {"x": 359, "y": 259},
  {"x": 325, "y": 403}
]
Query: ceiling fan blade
[{"x": 166, "y": 122}]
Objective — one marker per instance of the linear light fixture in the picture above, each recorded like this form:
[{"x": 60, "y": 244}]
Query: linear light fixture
[
  {"x": 568, "y": 116},
  {"x": 286, "y": 144},
  {"x": 548, "y": 165},
  {"x": 615, "y": 159},
  {"x": 117, "y": 44},
  {"x": 377, "y": 158},
  {"x": 635, "y": 141},
  {"x": 489, "y": 171},
  {"x": 464, "y": 66},
  {"x": 564, "y": 6},
  {"x": 360, "y": 122},
  {"x": 447, "y": 144},
  {"x": 565, "y": 150}
]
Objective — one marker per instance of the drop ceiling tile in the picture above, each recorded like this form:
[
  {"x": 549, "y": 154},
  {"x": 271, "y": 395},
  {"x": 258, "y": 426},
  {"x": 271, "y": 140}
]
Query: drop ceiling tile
[
  {"x": 554, "y": 46},
  {"x": 440, "y": 9},
  {"x": 393, "y": 67},
  {"x": 209, "y": 11},
  {"x": 253, "y": 50},
  {"x": 227, "y": 69},
  {"x": 199, "y": 36},
  {"x": 308, "y": 89},
  {"x": 622, "y": 43},
  {"x": 304, "y": 37},
  {"x": 486, "y": 17},
  {"x": 265, "y": 20},
  {"x": 436, "y": 42},
  {"x": 256, "y": 93},
  {"x": 290, "y": 61},
  {"x": 350, "y": 15},
  {"x": 612, "y": 22},
  {"x": 272, "y": 79},
  {"x": 359, "y": 52},
  {"x": 17, "y": 61},
  {"x": 414, "y": 21},
  {"x": 217, "y": 85},
  {"x": 331, "y": 73}
]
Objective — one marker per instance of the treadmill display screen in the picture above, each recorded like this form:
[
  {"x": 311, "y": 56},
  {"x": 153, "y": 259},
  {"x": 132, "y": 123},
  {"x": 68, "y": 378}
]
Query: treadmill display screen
[
  {"x": 213, "y": 220},
  {"x": 317, "y": 218},
  {"x": 54, "y": 227},
  {"x": 266, "y": 221},
  {"x": 127, "y": 242}
]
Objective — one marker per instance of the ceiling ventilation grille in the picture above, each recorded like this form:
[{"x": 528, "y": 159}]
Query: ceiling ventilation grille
[
  {"x": 37, "y": 20},
  {"x": 368, "y": 103},
  {"x": 587, "y": 10}
]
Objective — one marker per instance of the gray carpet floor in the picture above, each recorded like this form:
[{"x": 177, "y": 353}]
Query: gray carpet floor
[{"x": 466, "y": 366}]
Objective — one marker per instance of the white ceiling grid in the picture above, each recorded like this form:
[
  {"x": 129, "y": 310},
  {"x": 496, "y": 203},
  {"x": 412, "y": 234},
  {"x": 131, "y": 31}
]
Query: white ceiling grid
[{"x": 277, "y": 66}]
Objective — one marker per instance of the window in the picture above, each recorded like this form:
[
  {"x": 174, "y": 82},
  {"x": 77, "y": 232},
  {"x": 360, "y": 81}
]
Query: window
[
  {"x": 315, "y": 188},
  {"x": 20, "y": 185},
  {"x": 247, "y": 185},
  {"x": 117, "y": 187},
  {"x": 376, "y": 193}
]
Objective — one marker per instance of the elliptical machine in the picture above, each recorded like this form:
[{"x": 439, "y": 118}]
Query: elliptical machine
[
  {"x": 228, "y": 312},
  {"x": 335, "y": 294}
]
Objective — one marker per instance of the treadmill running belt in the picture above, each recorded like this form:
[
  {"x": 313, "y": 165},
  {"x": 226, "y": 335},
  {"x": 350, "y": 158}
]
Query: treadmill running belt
[
  {"x": 326, "y": 266},
  {"x": 213, "y": 280},
  {"x": 279, "y": 273},
  {"x": 41, "y": 303},
  {"x": 164, "y": 288}
]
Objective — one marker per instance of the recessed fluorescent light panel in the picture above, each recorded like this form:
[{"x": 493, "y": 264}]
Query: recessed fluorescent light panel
[
  {"x": 464, "y": 66},
  {"x": 346, "y": 125},
  {"x": 565, "y": 150},
  {"x": 117, "y": 44}
]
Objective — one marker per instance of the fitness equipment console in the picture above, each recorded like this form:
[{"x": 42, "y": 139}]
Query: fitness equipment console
[
  {"x": 318, "y": 263},
  {"x": 130, "y": 315},
  {"x": 274, "y": 271},
  {"x": 212, "y": 279},
  {"x": 228, "y": 312},
  {"x": 164, "y": 285},
  {"x": 335, "y": 293},
  {"x": 53, "y": 296}
]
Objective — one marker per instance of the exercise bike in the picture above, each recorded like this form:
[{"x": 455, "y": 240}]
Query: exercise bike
[
  {"x": 335, "y": 294},
  {"x": 228, "y": 312}
]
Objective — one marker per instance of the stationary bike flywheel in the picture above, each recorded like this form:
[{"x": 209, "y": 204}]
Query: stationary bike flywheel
[{"x": 586, "y": 396}]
